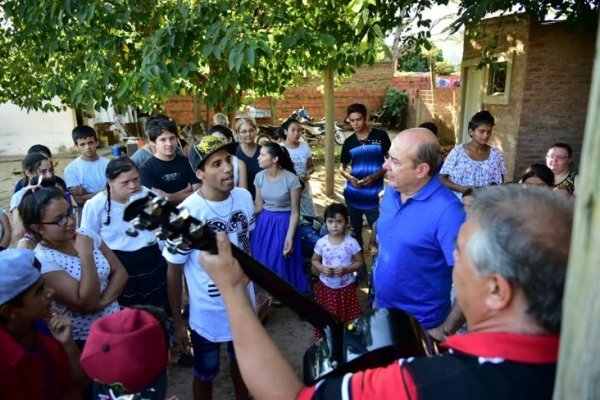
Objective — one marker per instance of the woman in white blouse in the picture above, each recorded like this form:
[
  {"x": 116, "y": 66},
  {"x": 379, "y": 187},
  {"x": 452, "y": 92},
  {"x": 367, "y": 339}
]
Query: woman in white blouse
[
  {"x": 141, "y": 256},
  {"x": 85, "y": 274}
]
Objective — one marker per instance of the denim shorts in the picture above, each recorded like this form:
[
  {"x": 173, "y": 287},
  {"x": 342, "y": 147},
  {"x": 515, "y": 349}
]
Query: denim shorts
[{"x": 206, "y": 357}]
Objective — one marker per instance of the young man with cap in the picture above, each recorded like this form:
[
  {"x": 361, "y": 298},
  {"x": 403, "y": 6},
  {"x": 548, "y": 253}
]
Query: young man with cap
[
  {"x": 127, "y": 353},
  {"x": 224, "y": 208},
  {"x": 38, "y": 361}
]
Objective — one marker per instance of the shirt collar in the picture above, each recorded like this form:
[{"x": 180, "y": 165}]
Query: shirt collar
[
  {"x": 533, "y": 349},
  {"x": 430, "y": 187}
]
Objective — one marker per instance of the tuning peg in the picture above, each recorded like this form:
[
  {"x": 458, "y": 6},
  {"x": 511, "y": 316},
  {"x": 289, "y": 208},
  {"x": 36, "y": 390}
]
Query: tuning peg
[
  {"x": 157, "y": 206},
  {"x": 196, "y": 230},
  {"x": 131, "y": 231},
  {"x": 181, "y": 242},
  {"x": 161, "y": 233},
  {"x": 140, "y": 223},
  {"x": 177, "y": 220}
]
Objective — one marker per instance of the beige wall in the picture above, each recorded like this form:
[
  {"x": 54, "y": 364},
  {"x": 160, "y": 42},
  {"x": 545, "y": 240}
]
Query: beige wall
[{"x": 512, "y": 34}]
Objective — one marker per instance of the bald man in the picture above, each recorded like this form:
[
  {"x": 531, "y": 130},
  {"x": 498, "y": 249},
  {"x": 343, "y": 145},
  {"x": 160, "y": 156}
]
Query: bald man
[{"x": 421, "y": 219}]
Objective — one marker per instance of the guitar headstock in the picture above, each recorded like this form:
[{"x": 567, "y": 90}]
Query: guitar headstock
[{"x": 147, "y": 211}]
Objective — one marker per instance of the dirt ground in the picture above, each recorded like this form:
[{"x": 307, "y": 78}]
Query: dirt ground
[{"x": 291, "y": 334}]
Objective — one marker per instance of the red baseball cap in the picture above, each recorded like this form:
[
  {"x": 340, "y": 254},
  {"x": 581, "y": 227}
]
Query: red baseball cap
[{"x": 128, "y": 348}]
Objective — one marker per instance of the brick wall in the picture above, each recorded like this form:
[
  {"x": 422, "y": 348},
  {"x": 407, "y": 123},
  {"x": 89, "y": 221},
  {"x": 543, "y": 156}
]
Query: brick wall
[
  {"x": 367, "y": 86},
  {"x": 556, "y": 90},
  {"x": 422, "y": 107},
  {"x": 551, "y": 79},
  {"x": 441, "y": 109},
  {"x": 512, "y": 35}
]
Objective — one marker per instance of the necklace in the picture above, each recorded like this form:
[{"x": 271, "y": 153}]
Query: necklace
[
  {"x": 223, "y": 217},
  {"x": 364, "y": 141}
]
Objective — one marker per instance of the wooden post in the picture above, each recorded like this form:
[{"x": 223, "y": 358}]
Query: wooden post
[
  {"x": 328, "y": 85},
  {"x": 578, "y": 374}
]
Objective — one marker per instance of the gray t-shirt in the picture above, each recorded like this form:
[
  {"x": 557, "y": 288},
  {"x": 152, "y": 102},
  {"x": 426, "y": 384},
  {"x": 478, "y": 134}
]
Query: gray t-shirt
[{"x": 277, "y": 196}]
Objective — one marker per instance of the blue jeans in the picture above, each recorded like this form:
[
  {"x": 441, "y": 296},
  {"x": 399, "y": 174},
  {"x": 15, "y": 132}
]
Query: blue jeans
[{"x": 206, "y": 357}]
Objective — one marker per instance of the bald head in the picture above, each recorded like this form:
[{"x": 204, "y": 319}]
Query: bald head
[{"x": 423, "y": 145}]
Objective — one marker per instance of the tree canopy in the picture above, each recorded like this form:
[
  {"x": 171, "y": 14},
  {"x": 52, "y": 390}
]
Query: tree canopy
[{"x": 137, "y": 53}]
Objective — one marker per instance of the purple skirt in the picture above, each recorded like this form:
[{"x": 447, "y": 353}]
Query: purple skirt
[{"x": 268, "y": 240}]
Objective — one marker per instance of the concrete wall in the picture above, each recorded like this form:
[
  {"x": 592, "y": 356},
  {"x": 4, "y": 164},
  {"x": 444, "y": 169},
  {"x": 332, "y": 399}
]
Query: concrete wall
[{"x": 20, "y": 129}]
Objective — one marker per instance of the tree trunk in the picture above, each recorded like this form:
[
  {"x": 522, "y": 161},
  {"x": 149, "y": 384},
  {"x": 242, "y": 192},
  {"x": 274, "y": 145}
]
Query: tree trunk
[
  {"x": 578, "y": 375},
  {"x": 328, "y": 84}
]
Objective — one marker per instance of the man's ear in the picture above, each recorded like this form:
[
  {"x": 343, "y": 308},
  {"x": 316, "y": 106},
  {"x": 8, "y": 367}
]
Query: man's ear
[
  {"x": 199, "y": 174},
  {"x": 423, "y": 170},
  {"x": 500, "y": 292}
]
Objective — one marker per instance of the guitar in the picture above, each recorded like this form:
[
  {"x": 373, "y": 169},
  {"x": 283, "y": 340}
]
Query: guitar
[{"x": 372, "y": 340}]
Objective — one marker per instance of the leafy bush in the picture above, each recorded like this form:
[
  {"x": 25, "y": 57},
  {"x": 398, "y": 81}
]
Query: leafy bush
[
  {"x": 444, "y": 68},
  {"x": 395, "y": 103}
]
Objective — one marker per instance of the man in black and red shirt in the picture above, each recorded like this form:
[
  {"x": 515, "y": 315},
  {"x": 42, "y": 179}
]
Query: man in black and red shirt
[{"x": 509, "y": 275}]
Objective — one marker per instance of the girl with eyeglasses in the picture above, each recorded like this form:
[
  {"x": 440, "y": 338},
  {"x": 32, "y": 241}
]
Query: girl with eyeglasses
[
  {"x": 248, "y": 150},
  {"x": 559, "y": 160},
  {"x": 85, "y": 274},
  {"x": 140, "y": 255}
]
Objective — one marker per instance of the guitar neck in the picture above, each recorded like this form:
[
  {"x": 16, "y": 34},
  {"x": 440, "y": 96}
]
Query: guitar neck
[
  {"x": 302, "y": 305},
  {"x": 149, "y": 212}
]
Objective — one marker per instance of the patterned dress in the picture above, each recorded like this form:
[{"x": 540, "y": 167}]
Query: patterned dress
[
  {"x": 465, "y": 171},
  {"x": 337, "y": 293}
]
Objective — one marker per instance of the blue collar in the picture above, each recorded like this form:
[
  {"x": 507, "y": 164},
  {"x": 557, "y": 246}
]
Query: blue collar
[{"x": 425, "y": 192}]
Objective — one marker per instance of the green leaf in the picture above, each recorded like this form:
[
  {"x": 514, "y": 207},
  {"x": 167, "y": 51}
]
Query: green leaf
[{"x": 250, "y": 55}]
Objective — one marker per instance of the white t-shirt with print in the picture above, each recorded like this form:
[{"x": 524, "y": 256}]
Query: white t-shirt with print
[
  {"x": 54, "y": 260},
  {"x": 300, "y": 156},
  {"x": 334, "y": 256},
  {"x": 234, "y": 215}
]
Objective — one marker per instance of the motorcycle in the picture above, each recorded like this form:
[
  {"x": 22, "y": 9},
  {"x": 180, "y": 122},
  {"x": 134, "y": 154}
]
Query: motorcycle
[
  {"x": 315, "y": 131},
  {"x": 268, "y": 133}
]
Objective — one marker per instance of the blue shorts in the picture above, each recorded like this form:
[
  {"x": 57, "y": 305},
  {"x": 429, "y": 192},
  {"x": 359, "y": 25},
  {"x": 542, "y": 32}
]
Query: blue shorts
[{"x": 206, "y": 357}]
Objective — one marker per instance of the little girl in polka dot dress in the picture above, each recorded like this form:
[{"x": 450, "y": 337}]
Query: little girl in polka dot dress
[{"x": 337, "y": 256}]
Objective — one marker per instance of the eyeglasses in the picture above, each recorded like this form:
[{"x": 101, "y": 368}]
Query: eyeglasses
[
  {"x": 557, "y": 158},
  {"x": 251, "y": 130},
  {"x": 64, "y": 220}
]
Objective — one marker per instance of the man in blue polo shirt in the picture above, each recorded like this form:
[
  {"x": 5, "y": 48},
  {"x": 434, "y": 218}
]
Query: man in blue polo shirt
[{"x": 421, "y": 219}]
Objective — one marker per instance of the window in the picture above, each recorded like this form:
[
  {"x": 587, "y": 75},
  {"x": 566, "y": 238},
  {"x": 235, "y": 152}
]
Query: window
[{"x": 497, "y": 80}]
